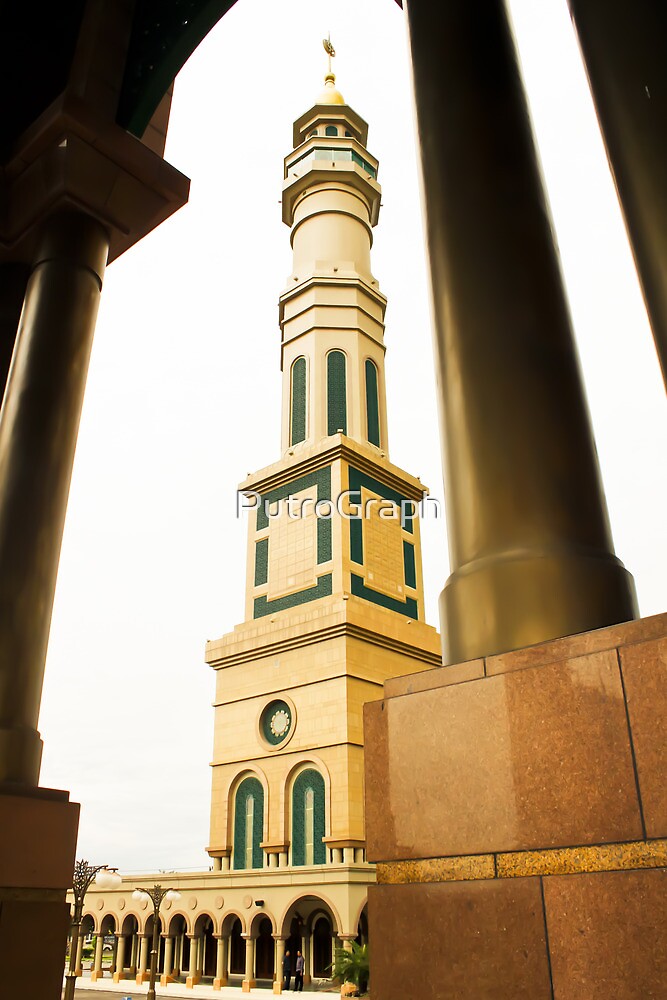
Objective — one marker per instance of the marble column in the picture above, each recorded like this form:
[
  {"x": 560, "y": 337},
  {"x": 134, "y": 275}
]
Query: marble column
[
  {"x": 13, "y": 281},
  {"x": 623, "y": 45},
  {"x": 249, "y": 978},
  {"x": 221, "y": 962},
  {"x": 39, "y": 422},
  {"x": 530, "y": 544}
]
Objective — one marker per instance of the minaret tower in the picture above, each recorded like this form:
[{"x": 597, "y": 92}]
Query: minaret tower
[{"x": 334, "y": 597}]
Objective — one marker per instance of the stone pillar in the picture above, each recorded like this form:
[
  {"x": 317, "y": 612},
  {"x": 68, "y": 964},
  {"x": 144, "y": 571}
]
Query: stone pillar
[
  {"x": 221, "y": 962},
  {"x": 307, "y": 961},
  {"x": 623, "y": 50},
  {"x": 249, "y": 978},
  {"x": 96, "y": 972},
  {"x": 225, "y": 863},
  {"x": 280, "y": 954},
  {"x": 530, "y": 544},
  {"x": 39, "y": 422},
  {"x": 168, "y": 959},
  {"x": 134, "y": 952},
  {"x": 192, "y": 977},
  {"x": 217, "y": 864},
  {"x": 79, "y": 952},
  {"x": 283, "y": 859},
  {"x": 348, "y": 855},
  {"x": 120, "y": 959},
  {"x": 143, "y": 959}
]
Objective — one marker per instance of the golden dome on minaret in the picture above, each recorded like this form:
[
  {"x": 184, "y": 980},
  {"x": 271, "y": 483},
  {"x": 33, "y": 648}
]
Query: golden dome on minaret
[{"x": 330, "y": 95}]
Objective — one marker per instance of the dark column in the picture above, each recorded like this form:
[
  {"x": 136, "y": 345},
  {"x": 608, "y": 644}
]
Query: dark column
[
  {"x": 38, "y": 430},
  {"x": 623, "y": 45},
  {"x": 13, "y": 280},
  {"x": 531, "y": 550}
]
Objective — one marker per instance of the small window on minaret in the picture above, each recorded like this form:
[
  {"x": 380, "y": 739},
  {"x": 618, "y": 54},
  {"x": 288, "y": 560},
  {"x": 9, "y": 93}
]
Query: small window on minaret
[
  {"x": 336, "y": 393},
  {"x": 372, "y": 404},
  {"x": 331, "y": 130},
  {"x": 298, "y": 402},
  {"x": 311, "y": 134},
  {"x": 348, "y": 135}
]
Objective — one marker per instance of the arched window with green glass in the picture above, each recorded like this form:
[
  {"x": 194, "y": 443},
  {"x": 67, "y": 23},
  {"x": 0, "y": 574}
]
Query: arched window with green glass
[
  {"x": 336, "y": 393},
  {"x": 331, "y": 130},
  {"x": 372, "y": 404},
  {"x": 298, "y": 394},
  {"x": 308, "y": 819},
  {"x": 248, "y": 824}
]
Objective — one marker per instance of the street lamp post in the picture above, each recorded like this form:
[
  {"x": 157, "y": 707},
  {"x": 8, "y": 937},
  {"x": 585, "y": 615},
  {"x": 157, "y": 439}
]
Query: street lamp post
[
  {"x": 156, "y": 894},
  {"x": 84, "y": 875}
]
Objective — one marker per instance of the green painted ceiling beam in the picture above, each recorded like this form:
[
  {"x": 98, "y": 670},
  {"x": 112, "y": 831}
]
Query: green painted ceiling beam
[{"x": 164, "y": 36}]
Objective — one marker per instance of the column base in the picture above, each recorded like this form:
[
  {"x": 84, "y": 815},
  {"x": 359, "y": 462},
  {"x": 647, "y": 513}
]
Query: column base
[
  {"x": 120, "y": 976},
  {"x": 507, "y": 603},
  {"x": 219, "y": 983},
  {"x": 94, "y": 976},
  {"x": 277, "y": 987},
  {"x": 34, "y": 884},
  {"x": 165, "y": 980},
  {"x": 247, "y": 985},
  {"x": 191, "y": 982},
  {"x": 514, "y": 794},
  {"x": 141, "y": 978}
]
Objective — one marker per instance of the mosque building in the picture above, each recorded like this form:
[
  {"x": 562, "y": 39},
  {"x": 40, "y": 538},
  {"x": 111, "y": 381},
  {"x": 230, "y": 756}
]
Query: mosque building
[{"x": 334, "y": 607}]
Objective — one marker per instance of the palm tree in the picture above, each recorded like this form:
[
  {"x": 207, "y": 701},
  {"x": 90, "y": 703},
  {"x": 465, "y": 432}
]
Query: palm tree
[{"x": 353, "y": 966}]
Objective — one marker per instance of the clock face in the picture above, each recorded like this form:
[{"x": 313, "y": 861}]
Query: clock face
[{"x": 276, "y": 723}]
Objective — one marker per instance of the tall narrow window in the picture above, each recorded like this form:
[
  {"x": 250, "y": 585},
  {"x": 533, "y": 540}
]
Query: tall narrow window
[
  {"x": 336, "y": 393},
  {"x": 310, "y": 825},
  {"x": 248, "y": 824},
  {"x": 298, "y": 393},
  {"x": 249, "y": 818},
  {"x": 372, "y": 405},
  {"x": 308, "y": 819}
]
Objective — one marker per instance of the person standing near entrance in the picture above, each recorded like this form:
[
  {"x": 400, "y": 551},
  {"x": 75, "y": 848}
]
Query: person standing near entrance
[
  {"x": 298, "y": 972},
  {"x": 287, "y": 970}
]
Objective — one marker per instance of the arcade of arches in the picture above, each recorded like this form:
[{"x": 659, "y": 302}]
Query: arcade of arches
[{"x": 214, "y": 943}]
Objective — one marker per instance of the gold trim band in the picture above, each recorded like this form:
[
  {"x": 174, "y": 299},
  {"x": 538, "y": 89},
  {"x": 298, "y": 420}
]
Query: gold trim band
[{"x": 517, "y": 864}]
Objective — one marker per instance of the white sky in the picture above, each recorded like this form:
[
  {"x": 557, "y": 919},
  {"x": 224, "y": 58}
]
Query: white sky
[{"x": 183, "y": 395}]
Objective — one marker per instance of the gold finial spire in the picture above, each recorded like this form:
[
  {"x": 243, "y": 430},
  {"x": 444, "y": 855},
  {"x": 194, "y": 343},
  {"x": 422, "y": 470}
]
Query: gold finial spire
[
  {"x": 330, "y": 95},
  {"x": 330, "y": 51}
]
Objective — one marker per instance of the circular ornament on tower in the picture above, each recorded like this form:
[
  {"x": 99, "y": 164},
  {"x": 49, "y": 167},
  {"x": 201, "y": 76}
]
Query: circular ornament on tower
[{"x": 277, "y": 722}]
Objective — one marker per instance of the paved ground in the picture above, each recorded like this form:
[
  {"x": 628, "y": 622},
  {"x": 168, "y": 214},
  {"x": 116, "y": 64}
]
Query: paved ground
[{"x": 106, "y": 990}]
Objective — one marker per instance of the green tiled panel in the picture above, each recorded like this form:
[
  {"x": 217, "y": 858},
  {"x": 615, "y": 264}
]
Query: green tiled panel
[
  {"x": 263, "y": 607},
  {"x": 409, "y": 564},
  {"x": 298, "y": 429},
  {"x": 261, "y": 562},
  {"x": 323, "y": 540},
  {"x": 336, "y": 393},
  {"x": 356, "y": 535},
  {"x": 248, "y": 787},
  {"x": 308, "y": 779},
  {"x": 321, "y": 479},
  {"x": 407, "y": 608},
  {"x": 372, "y": 405}
]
